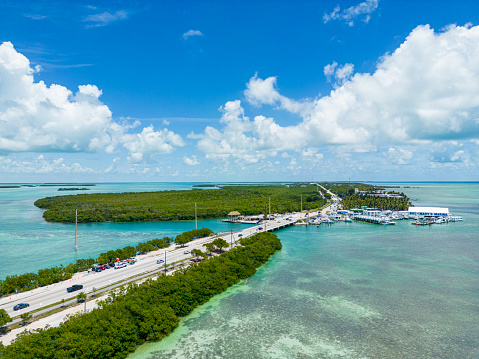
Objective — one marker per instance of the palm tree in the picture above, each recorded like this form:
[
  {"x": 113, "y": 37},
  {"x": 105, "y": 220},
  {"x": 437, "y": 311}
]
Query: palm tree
[
  {"x": 81, "y": 297},
  {"x": 25, "y": 318}
]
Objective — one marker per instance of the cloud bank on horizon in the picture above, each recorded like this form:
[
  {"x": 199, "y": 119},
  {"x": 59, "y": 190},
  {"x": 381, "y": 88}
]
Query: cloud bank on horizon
[
  {"x": 424, "y": 93},
  {"x": 422, "y": 98}
]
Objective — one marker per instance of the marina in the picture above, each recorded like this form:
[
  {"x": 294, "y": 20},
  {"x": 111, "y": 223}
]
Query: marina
[
  {"x": 329, "y": 280},
  {"x": 385, "y": 217},
  {"x": 327, "y": 269}
]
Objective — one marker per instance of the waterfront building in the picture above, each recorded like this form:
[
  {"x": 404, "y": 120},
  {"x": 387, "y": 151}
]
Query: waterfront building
[{"x": 421, "y": 212}]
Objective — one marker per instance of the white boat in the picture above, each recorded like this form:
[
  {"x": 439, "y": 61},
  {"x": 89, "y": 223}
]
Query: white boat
[
  {"x": 440, "y": 220},
  {"x": 386, "y": 221},
  {"x": 315, "y": 221}
]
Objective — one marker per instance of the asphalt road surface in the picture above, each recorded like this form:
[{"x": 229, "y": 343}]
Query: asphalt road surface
[{"x": 52, "y": 295}]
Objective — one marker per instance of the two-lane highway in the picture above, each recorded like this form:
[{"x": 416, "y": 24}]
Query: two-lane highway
[{"x": 55, "y": 293}]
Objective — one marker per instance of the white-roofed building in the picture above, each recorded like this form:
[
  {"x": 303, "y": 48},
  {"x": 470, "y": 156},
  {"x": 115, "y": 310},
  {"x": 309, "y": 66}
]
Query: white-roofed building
[{"x": 420, "y": 212}]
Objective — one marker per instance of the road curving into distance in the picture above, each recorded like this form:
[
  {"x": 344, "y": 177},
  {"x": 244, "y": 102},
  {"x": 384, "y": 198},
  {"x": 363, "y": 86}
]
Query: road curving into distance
[{"x": 45, "y": 299}]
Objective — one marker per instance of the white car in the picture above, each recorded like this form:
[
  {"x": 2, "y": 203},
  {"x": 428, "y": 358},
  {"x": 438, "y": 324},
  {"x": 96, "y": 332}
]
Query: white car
[
  {"x": 119, "y": 265},
  {"x": 186, "y": 252}
]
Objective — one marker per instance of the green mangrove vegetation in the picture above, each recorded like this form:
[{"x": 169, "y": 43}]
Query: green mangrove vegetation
[
  {"x": 4, "y": 317},
  {"x": 28, "y": 281},
  {"x": 383, "y": 203},
  {"x": 368, "y": 196},
  {"x": 144, "y": 312},
  {"x": 180, "y": 205},
  {"x": 188, "y": 236}
]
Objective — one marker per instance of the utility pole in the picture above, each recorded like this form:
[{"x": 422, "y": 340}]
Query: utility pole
[
  {"x": 269, "y": 216},
  {"x": 231, "y": 240},
  {"x": 165, "y": 260},
  {"x": 76, "y": 229},
  {"x": 196, "y": 220}
]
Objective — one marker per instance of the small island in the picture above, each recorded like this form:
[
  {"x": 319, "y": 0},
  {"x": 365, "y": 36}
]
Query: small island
[
  {"x": 180, "y": 205},
  {"x": 212, "y": 203},
  {"x": 74, "y": 189}
]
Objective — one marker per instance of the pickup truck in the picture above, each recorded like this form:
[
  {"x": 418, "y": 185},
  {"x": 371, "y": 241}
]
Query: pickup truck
[{"x": 74, "y": 288}]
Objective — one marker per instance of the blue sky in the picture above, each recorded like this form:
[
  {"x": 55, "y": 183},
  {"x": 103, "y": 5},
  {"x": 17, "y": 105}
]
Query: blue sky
[{"x": 374, "y": 90}]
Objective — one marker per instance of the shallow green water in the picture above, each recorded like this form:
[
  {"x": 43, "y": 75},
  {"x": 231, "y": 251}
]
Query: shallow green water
[
  {"x": 28, "y": 243},
  {"x": 351, "y": 290}
]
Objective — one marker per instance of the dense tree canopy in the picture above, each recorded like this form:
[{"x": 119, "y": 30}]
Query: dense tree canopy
[
  {"x": 145, "y": 312},
  {"x": 351, "y": 199},
  {"x": 188, "y": 236},
  {"x": 179, "y": 205},
  {"x": 394, "y": 204},
  {"x": 4, "y": 317}
]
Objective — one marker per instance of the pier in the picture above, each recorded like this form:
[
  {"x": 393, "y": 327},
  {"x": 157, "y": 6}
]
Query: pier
[{"x": 373, "y": 219}]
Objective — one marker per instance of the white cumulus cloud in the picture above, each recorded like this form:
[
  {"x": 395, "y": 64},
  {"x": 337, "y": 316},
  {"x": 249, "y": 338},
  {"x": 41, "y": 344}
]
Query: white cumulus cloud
[
  {"x": 340, "y": 74},
  {"x": 150, "y": 141},
  {"x": 35, "y": 117},
  {"x": 245, "y": 140},
  {"x": 191, "y": 161},
  {"x": 190, "y": 33},
  {"x": 424, "y": 92},
  {"x": 362, "y": 11}
]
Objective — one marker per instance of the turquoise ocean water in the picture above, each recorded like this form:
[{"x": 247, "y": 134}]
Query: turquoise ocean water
[
  {"x": 349, "y": 290},
  {"x": 28, "y": 243}
]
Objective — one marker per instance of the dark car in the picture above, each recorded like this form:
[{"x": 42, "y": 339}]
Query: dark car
[
  {"x": 98, "y": 269},
  {"x": 21, "y": 306},
  {"x": 74, "y": 288}
]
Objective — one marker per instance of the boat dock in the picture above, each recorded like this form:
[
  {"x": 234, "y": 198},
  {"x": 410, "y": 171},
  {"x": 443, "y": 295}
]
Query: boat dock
[{"x": 373, "y": 219}]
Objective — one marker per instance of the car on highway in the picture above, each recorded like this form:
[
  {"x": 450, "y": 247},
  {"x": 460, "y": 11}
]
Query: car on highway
[
  {"x": 21, "y": 306},
  {"x": 119, "y": 265},
  {"x": 160, "y": 261},
  {"x": 74, "y": 287},
  {"x": 240, "y": 235},
  {"x": 186, "y": 252}
]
